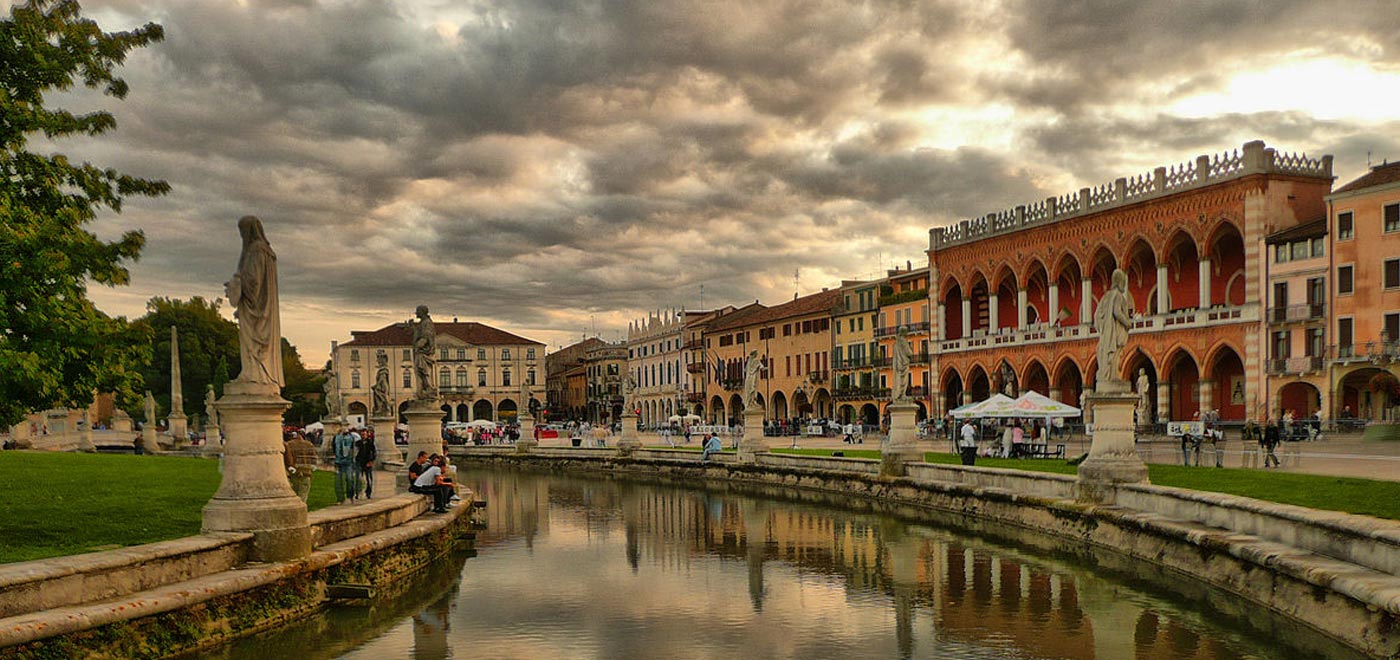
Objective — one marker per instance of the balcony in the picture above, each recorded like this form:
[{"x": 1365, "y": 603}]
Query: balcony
[
  {"x": 817, "y": 376},
  {"x": 860, "y": 363},
  {"x": 695, "y": 368},
  {"x": 1294, "y": 366},
  {"x": 1045, "y": 333},
  {"x": 695, "y": 397},
  {"x": 1297, "y": 313},
  {"x": 1375, "y": 352},
  {"x": 698, "y": 342},
  {"x": 911, "y": 328},
  {"x": 732, "y": 383},
  {"x": 464, "y": 390},
  {"x": 856, "y": 393}
]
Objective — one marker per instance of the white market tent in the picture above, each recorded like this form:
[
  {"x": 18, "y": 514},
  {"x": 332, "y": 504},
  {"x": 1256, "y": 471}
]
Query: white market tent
[
  {"x": 1034, "y": 404},
  {"x": 683, "y": 418},
  {"x": 980, "y": 409},
  {"x": 481, "y": 424}
]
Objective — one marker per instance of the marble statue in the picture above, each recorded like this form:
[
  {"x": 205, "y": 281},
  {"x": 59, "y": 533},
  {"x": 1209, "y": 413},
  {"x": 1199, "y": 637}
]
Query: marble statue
[
  {"x": 1008, "y": 381},
  {"x": 331, "y": 393},
  {"x": 150, "y": 409},
  {"x": 903, "y": 356},
  {"x": 629, "y": 385},
  {"x": 752, "y": 367},
  {"x": 1143, "y": 410},
  {"x": 425, "y": 355},
  {"x": 253, "y": 293},
  {"x": 380, "y": 394},
  {"x": 1112, "y": 318},
  {"x": 210, "y": 412}
]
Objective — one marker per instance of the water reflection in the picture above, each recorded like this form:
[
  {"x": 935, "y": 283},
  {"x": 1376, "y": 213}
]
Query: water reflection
[{"x": 594, "y": 568}]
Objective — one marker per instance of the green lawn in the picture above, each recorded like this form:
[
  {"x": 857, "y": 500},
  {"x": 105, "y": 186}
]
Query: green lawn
[
  {"x": 54, "y": 504},
  {"x": 1368, "y": 497}
]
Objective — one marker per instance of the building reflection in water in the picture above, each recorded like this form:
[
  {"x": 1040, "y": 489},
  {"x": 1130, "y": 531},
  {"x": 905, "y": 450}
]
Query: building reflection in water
[{"x": 869, "y": 584}]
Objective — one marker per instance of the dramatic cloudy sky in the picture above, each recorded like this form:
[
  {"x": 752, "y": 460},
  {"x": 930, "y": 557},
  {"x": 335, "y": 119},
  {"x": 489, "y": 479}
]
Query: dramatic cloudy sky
[{"x": 550, "y": 166}]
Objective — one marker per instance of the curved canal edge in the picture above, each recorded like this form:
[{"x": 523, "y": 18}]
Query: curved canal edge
[
  {"x": 175, "y": 597},
  {"x": 1332, "y": 572}
]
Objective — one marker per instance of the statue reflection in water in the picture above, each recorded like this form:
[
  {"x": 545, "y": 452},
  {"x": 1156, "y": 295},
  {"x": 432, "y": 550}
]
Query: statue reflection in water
[{"x": 430, "y": 628}]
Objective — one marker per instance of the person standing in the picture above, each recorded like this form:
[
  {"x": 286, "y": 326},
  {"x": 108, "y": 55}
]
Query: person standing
[
  {"x": 346, "y": 476},
  {"x": 967, "y": 446},
  {"x": 1270, "y": 443},
  {"x": 365, "y": 456}
]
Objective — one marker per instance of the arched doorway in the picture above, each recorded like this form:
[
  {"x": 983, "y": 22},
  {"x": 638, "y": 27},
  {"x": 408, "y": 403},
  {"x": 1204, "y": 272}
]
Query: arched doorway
[
  {"x": 1005, "y": 380},
  {"x": 464, "y": 412},
  {"x": 507, "y": 412},
  {"x": 822, "y": 403},
  {"x": 952, "y": 390},
  {"x": 1037, "y": 287},
  {"x": 952, "y": 310},
  {"x": 1183, "y": 386},
  {"x": 1300, "y": 398},
  {"x": 736, "y": 409},
  {"x": 1068, "y": 290},
  {"x": 716, "y": 410},
  {"x": 978, "y": 385},
  {"x": 357, "y": 413},
  {"x": 869, "y": 415},
  {"x": 801, "y": 405},
  {"x": 1006, "y": 299},
  {"x": 980, "y": 303},
  {"x": 1141, "y": 266},
  {"x": 847, "y": 414},
  {"x": 1359, "y": 398},
  {"x": 1226, "y": 254},
  {"x": 921, "y": 412},
  {"x": 447, "y": 411},
  {"x": 1228, "y": 383},
  {"x": 1183, "y": 272},
  {"x": 403, "y": 412},
  {"x": 1069, "y": 382},
  {"x": 780, "y": 407},
  {"x": 1139, "y": 362},
  {"x": 1036, "y": 379},
  {"x": 1101, "y": 268},
  {"x": 482, "y": 410}
]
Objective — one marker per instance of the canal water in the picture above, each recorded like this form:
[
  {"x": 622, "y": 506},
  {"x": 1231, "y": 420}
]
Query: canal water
[{"x": 583, "y": 567}]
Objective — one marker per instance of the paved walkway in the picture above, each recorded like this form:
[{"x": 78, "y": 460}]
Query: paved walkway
[{"x": 1341, "y": 455}]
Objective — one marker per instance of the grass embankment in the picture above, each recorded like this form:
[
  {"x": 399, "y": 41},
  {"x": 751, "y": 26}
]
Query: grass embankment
[
  {"x": 54, "y": 504},
  {"x": 1368, "y": 497}
]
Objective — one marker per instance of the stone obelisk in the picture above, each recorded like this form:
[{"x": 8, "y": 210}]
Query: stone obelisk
[
  {"x": 255, "y": 494},
  {"x": 179, "y": 425}
]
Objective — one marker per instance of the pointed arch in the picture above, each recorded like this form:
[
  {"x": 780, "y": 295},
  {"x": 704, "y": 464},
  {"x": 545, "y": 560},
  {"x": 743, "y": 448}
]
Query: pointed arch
[
  {"x": 1140, "y": 262},
  {"x": 1005, "y": 287},
  {"x": 1068, "y": 277},
  {"x": 1182, "y": 258},
  {"x": 1035, "y": 281}
]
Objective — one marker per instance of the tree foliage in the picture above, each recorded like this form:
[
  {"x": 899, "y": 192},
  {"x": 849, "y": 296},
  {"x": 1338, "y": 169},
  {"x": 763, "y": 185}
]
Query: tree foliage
[
  {"x": 303, "y": 388},
  {"x": 56, "y": 347},
  {"x": 207, "y": 340}
]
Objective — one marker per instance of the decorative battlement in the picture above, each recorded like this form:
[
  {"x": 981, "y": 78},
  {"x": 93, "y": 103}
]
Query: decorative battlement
[{"x": 1254, "y": 158}]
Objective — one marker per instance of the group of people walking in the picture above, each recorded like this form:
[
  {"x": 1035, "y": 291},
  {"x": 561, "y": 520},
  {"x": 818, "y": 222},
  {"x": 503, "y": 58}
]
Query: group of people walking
[{"x": 355, "y": 457}]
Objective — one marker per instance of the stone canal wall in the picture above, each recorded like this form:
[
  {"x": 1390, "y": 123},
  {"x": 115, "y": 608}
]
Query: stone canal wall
[
  {"x": 162, "y": 599},
  {"x": 1332, "y": 572}
]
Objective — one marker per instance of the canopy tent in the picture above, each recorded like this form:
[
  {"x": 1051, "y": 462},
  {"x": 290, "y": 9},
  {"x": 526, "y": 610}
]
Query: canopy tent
[
  {"x": 677, "y": 419},
  {"x": 314, "y": 426},
  {"x": 1034, "y": 404},
  {"x": 481, "y": 424},
  {"x": 997, "y": 401}
]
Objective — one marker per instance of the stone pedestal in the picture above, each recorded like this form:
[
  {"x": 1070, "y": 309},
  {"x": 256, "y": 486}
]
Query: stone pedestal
[
  {"x": 255, "y": 495},
  {"x": 527, "y": 439},
  {"x": 629, "y": 440},
  {"x": 85, "y": 437},
  {"x": 390, "y": 455},
  {"x": 424, "y": 433},
  {"x": 1113, "y": 458},
  {"x": 903, "y": 445},
  {"x": 148, "y": 438},
  {"x": 121, "y": 421},
  {"x": 752, "y": 443},
  {"x": 179, "y": 430},
  {"x": 213, "y": 440}
]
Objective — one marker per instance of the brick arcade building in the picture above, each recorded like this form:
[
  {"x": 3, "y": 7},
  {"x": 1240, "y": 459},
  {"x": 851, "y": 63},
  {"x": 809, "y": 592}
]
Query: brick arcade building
[{"x": 1014, "y": 292}]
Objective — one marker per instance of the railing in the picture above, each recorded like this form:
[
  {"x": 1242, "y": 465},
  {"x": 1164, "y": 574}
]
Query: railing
[
  {"x": 1254, "y": 158},
  {"x": 851, "y": 393},
  {"x": 911, "y": 328},
  {"x": 1295, "y": 365},
  {"x": 695, "y": 368},
  {"x": 457, "y": 389},
  {"x": 1045, "y": 333},
  {"x": 862, "y": 363},
  {"x": 1376, "y": 352},
  {"x": 695, "y": 397},
  {"x": 1297, "y": 313},
  {"x": 732, "y": 383},
  {"x": 817, "y": 376}
]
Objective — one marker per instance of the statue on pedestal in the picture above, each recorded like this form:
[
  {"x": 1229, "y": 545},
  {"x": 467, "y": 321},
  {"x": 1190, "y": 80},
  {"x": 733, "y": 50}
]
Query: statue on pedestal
[
  {"x": 903, "y": 356},
  {"x": 150, "y": 410},
  {"x": 330, "y": 391},
  {"x": 425, "y": 355},
  {"x": 211, "y": 414},
  {"x": 1144, "y": 412},
  {"x": 380, "y": 396},
  {"x": 629, "y": 386},
  {"x": 752, "y": 367},
  {"x": 253, "y": 293},
  {"x": 1113, "y": 318}
]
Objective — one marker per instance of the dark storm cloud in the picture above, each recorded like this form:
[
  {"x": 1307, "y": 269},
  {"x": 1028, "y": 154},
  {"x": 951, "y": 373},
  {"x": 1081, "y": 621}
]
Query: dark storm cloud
[{"x": 533, "y": 163}]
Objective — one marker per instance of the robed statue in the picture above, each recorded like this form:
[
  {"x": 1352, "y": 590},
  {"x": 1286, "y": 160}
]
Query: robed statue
[
  {"x": 903, "y": 356},
  {"x": 253, "y": 293},
  {"x": 211, "y": 413},
  {"x": 752, "y": 367},
  {"x": 425, "y": 355},
  {"x": 330, "y": 391},
  {"x": 380, "y": 394},
  {"x": 629, "y": 386},
  {"x": 1112, "y": 318},
  {"x": 150, "y": 409},
  {"x": 1144, "y": 412}
]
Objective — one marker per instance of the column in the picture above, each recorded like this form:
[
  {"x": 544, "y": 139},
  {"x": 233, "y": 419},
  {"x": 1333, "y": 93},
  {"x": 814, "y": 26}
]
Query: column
[
  {"x": 1207, "y": 394},
  {"x": 992, "y": 321},
  {"x": 1163, "y": 300},
  {"x": 1205, "y": 284},
  {"x": 1164, "y": 400},
  {"x": 1086, "y": 301},
  {"x": 967, "y": 317},
  {"x": 940, "y": 319},
  {"x": 1054, "y": 303},
  {"x": 1020, "y": 308}
]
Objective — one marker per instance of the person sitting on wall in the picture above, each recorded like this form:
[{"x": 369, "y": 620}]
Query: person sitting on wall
[
  {"x": 432, "y": 482},
  {"x": 710, "y": 446},
  {"x": 417, "y": 466}
]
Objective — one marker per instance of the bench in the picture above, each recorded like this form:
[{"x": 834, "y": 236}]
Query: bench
[{"x": 1043, "y": 451}]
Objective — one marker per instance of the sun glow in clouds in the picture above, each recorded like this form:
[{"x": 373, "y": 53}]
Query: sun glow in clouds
[{"x": 1329, "y": 88}]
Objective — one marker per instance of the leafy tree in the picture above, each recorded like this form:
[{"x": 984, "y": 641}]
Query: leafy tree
[
  {"x": 303, "y": 388},
  {"x": 56, "y": 347},
  {"x": 207, "y": 340}
]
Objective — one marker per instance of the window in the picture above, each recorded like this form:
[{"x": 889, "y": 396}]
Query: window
[
  {"x": 1392, "y": 273},
  {"x": 407, "y": 355},
  {"x": 1318, "y": 248},
  {"x": 529, "y": 354},
  {"x": 530, "y": 377},
  {"x": 461, "y": 354},
  {"x": 444, "y": 378},
  {"x": 1281, "y": 253},
  {"x": 1314, "y": 347},
  {"x": 462, "y": 379},
  {"x": 1391, "y": 328},
  {"x": 355, "y": 379},
  {"x": 1280, "y": 346},
  {"x": 355, "y": 357},
  {"x": 481, "y": 354},
  {"x": 1344, "y": 341},
  {"x": 408, "y": 379},
  {"x": 505, "y": 354},
  {"x": 1391, "y": 218},
  {"x": 442, "y": 354},
  {"x": 481, "y": 377},
  {"x": 505, "y": 378},
  {"x": 1345, "y": 226},
  {"x": 787, "y": 329},
  {"x": 1345, "y": 284},
  {"x": 1280, "y": 294},
  {"x": 1300, "y": 250}
]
